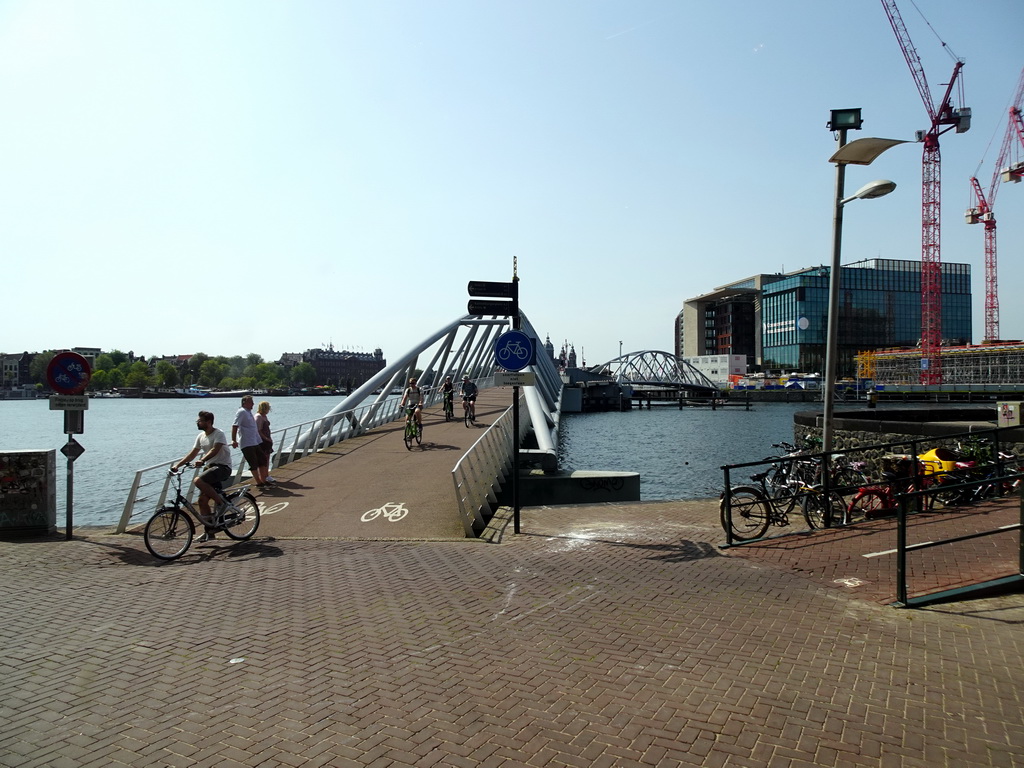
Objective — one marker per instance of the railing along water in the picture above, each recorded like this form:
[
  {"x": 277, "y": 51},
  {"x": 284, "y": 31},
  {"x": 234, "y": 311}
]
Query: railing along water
[
  {"x": 150, "y": 485},
  {"x": 482, "y": 469}
]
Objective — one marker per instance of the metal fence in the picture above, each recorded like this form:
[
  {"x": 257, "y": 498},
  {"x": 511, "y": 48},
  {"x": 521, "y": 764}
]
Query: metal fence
[
  {"x": 483, "y": 468},
  {"x": 477, "y": 468},
  {"x": 150, "y": 486}
]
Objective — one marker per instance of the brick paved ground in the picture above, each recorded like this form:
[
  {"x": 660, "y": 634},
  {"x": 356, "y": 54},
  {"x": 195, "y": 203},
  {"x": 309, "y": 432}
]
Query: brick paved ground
[{"x": 617, "y": 635}]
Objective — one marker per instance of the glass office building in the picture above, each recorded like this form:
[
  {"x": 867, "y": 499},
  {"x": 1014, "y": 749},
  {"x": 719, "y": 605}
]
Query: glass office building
[{"x": 879, "y": 308}]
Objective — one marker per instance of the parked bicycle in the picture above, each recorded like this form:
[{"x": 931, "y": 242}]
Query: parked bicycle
[
  {"x": 413, "y": 428},
  {"x": 793, "y": 478},
  {"x": 169, "y": 532}
]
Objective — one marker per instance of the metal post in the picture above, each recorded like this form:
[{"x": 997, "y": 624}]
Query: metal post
[
  {"x": 516, "y": 325},
  {"x": 833, "y": 304},
  {"x": 901, "y": 551},
  {"x": 69, "y": 504}
]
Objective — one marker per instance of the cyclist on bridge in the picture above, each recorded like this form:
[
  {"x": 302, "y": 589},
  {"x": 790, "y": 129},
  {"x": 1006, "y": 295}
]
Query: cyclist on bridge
[
  {"x": 469, "y": 392},
  {"x": 413, "y": 395}
]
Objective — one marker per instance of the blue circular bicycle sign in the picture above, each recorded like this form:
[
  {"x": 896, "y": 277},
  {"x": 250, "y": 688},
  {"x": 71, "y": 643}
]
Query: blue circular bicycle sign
[
  {"x": 513, "y": 350},
  {"x": 68, "y": 373}
]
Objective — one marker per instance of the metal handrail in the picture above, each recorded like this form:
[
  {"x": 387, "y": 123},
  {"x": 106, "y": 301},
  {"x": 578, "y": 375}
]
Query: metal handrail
[
  {"x": 903, "y": 547},
  {"x": 149, "y": 487},
  {"x": 481, "y": 470}
]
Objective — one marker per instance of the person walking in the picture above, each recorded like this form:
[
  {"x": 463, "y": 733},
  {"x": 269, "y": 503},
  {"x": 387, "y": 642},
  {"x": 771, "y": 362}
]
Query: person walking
[
  {"x": 266, "y": 440},
  {"x": 245, "y": 435}
]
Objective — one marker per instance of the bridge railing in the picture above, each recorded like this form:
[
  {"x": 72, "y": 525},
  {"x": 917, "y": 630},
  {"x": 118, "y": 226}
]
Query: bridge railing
[
  {"x": 478, "y": 475},
  {"x": 151, "y": 485}
]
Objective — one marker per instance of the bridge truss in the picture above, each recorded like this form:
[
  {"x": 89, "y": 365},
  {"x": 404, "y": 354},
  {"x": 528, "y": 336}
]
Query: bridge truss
[
  {"x": 655, "y": 369},
  {"x": 463, "y": 347}
]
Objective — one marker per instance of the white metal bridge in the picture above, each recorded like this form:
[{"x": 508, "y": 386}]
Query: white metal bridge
[
  {"x": 653, "y": 369},
  {"x": 463, "y": 347}
]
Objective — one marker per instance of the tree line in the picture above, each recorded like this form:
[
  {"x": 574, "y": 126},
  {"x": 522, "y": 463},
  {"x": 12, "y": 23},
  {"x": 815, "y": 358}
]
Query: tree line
[{"x": 118, "y": 370}]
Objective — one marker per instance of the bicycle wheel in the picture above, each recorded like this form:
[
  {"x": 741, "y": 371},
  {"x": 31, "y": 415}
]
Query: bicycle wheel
[
  {"x": 867, "y": 504},
  {"x": 465, "y": 415},
  {"x": 746, "y": 517},
  {"x": 245, "y": 528},
  {"x": 419, "y": 434},
  {"x": 848, "y": 480},
  {"x": 169, "y": 533},
  {"x": 408, "y": 435},
  {"x": 815, "y": 506}
]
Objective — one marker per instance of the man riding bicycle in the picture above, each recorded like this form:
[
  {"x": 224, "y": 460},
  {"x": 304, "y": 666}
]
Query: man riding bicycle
[
  {"x": 447, "y": 393},
  {"x": 216, "y": 462},
  {"x": 413, "y": 395},
  {"x": 469, "y": 392}
]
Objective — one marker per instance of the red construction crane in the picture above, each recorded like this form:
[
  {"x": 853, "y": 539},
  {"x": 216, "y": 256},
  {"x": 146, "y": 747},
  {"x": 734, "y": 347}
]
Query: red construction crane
[
  {"x": 982, "y": 211},
  {"x": 931, "y": 166}
]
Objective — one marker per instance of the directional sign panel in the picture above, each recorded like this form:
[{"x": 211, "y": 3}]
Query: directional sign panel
[
  {"x": 499, "y": 308},
  {"x": 513, "y": 350},
  {"x": 494, "y": 290}
]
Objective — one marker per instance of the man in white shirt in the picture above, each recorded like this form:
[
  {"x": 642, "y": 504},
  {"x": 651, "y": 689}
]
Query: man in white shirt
[
  {"x": 216, "y": 460},
  {"x": 246, "y": 435}
]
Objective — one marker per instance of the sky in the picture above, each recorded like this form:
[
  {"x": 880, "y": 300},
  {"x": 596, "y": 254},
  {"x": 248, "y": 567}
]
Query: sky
[{"x": 238, "y": 176}]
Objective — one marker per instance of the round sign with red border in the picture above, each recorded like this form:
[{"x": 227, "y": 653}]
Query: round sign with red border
[{"x": 68, "y": 373}]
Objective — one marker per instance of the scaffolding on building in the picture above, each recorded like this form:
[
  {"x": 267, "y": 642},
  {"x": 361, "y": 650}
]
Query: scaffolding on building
[{"x": 1001, "y": 363}]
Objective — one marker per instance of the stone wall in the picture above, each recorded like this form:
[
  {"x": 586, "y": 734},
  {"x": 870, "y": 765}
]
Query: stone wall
[{"x": 857, "y": 432}]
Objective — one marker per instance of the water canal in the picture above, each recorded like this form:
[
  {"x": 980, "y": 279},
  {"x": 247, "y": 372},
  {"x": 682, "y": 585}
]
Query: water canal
[{"x": 677, "y": 452}]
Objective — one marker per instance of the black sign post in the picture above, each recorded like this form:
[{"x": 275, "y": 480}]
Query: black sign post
[
  {"x": 509, "y": 309},
  {"x": 68, "y": 374}
]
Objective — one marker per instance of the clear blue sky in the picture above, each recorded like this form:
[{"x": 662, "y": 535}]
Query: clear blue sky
[{"x": 244, "y": 176}]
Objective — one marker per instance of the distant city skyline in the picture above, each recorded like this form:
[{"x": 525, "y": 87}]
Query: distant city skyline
[{"x": 229, "y": 176}]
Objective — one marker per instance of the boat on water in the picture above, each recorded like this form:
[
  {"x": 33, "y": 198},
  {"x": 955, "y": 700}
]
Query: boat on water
[{"x": 197, "y": 391}]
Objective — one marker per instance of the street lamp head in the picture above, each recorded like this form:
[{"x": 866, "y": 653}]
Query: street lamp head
[
  {"x": 871, "y": 190},
  {"x": 863, "y": 151}
]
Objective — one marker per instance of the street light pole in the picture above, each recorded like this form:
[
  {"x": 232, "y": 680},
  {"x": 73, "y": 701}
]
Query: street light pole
[
  {"x": 859, "y": 152},
  {"x": 833, "y": 303}
]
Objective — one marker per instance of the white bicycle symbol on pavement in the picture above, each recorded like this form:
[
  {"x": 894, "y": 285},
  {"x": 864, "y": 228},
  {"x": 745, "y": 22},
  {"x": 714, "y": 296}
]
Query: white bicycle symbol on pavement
[{"x": 393, "y": 511}]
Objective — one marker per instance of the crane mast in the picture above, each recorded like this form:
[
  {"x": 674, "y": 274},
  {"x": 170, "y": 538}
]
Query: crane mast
[
  {"x": 983, "y": 213},
  {"x": 931, "y": 197}
]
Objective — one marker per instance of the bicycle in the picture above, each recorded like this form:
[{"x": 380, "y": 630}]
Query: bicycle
[
  {"x": 793, "y": 478},
  {"x": 169, "y": 532},
  {"x": 880, "y": 499},
  {"x": 413, "y": 428},
  {"x": 449, "y": 410},
  {"x": 468, "y": 411},
  {"x": 747, "y": 510}
]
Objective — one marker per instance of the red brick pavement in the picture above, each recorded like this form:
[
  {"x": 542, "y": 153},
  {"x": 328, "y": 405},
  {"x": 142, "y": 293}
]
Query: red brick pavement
[
  {"x": 611, "y": 635},
  {"x": 861, "y": 559},
  {"x": 326, "y": 494}
]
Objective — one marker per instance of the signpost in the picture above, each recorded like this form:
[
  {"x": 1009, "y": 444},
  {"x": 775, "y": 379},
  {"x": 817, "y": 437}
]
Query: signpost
[
  {"x": 512, "y": 357},
  {"x": 68, "y": 375}
]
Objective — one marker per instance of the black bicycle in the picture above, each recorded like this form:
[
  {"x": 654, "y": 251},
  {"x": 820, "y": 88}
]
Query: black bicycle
[
  {"x": 449, "y": 409},
  {"x": 169, "y": 532}
]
